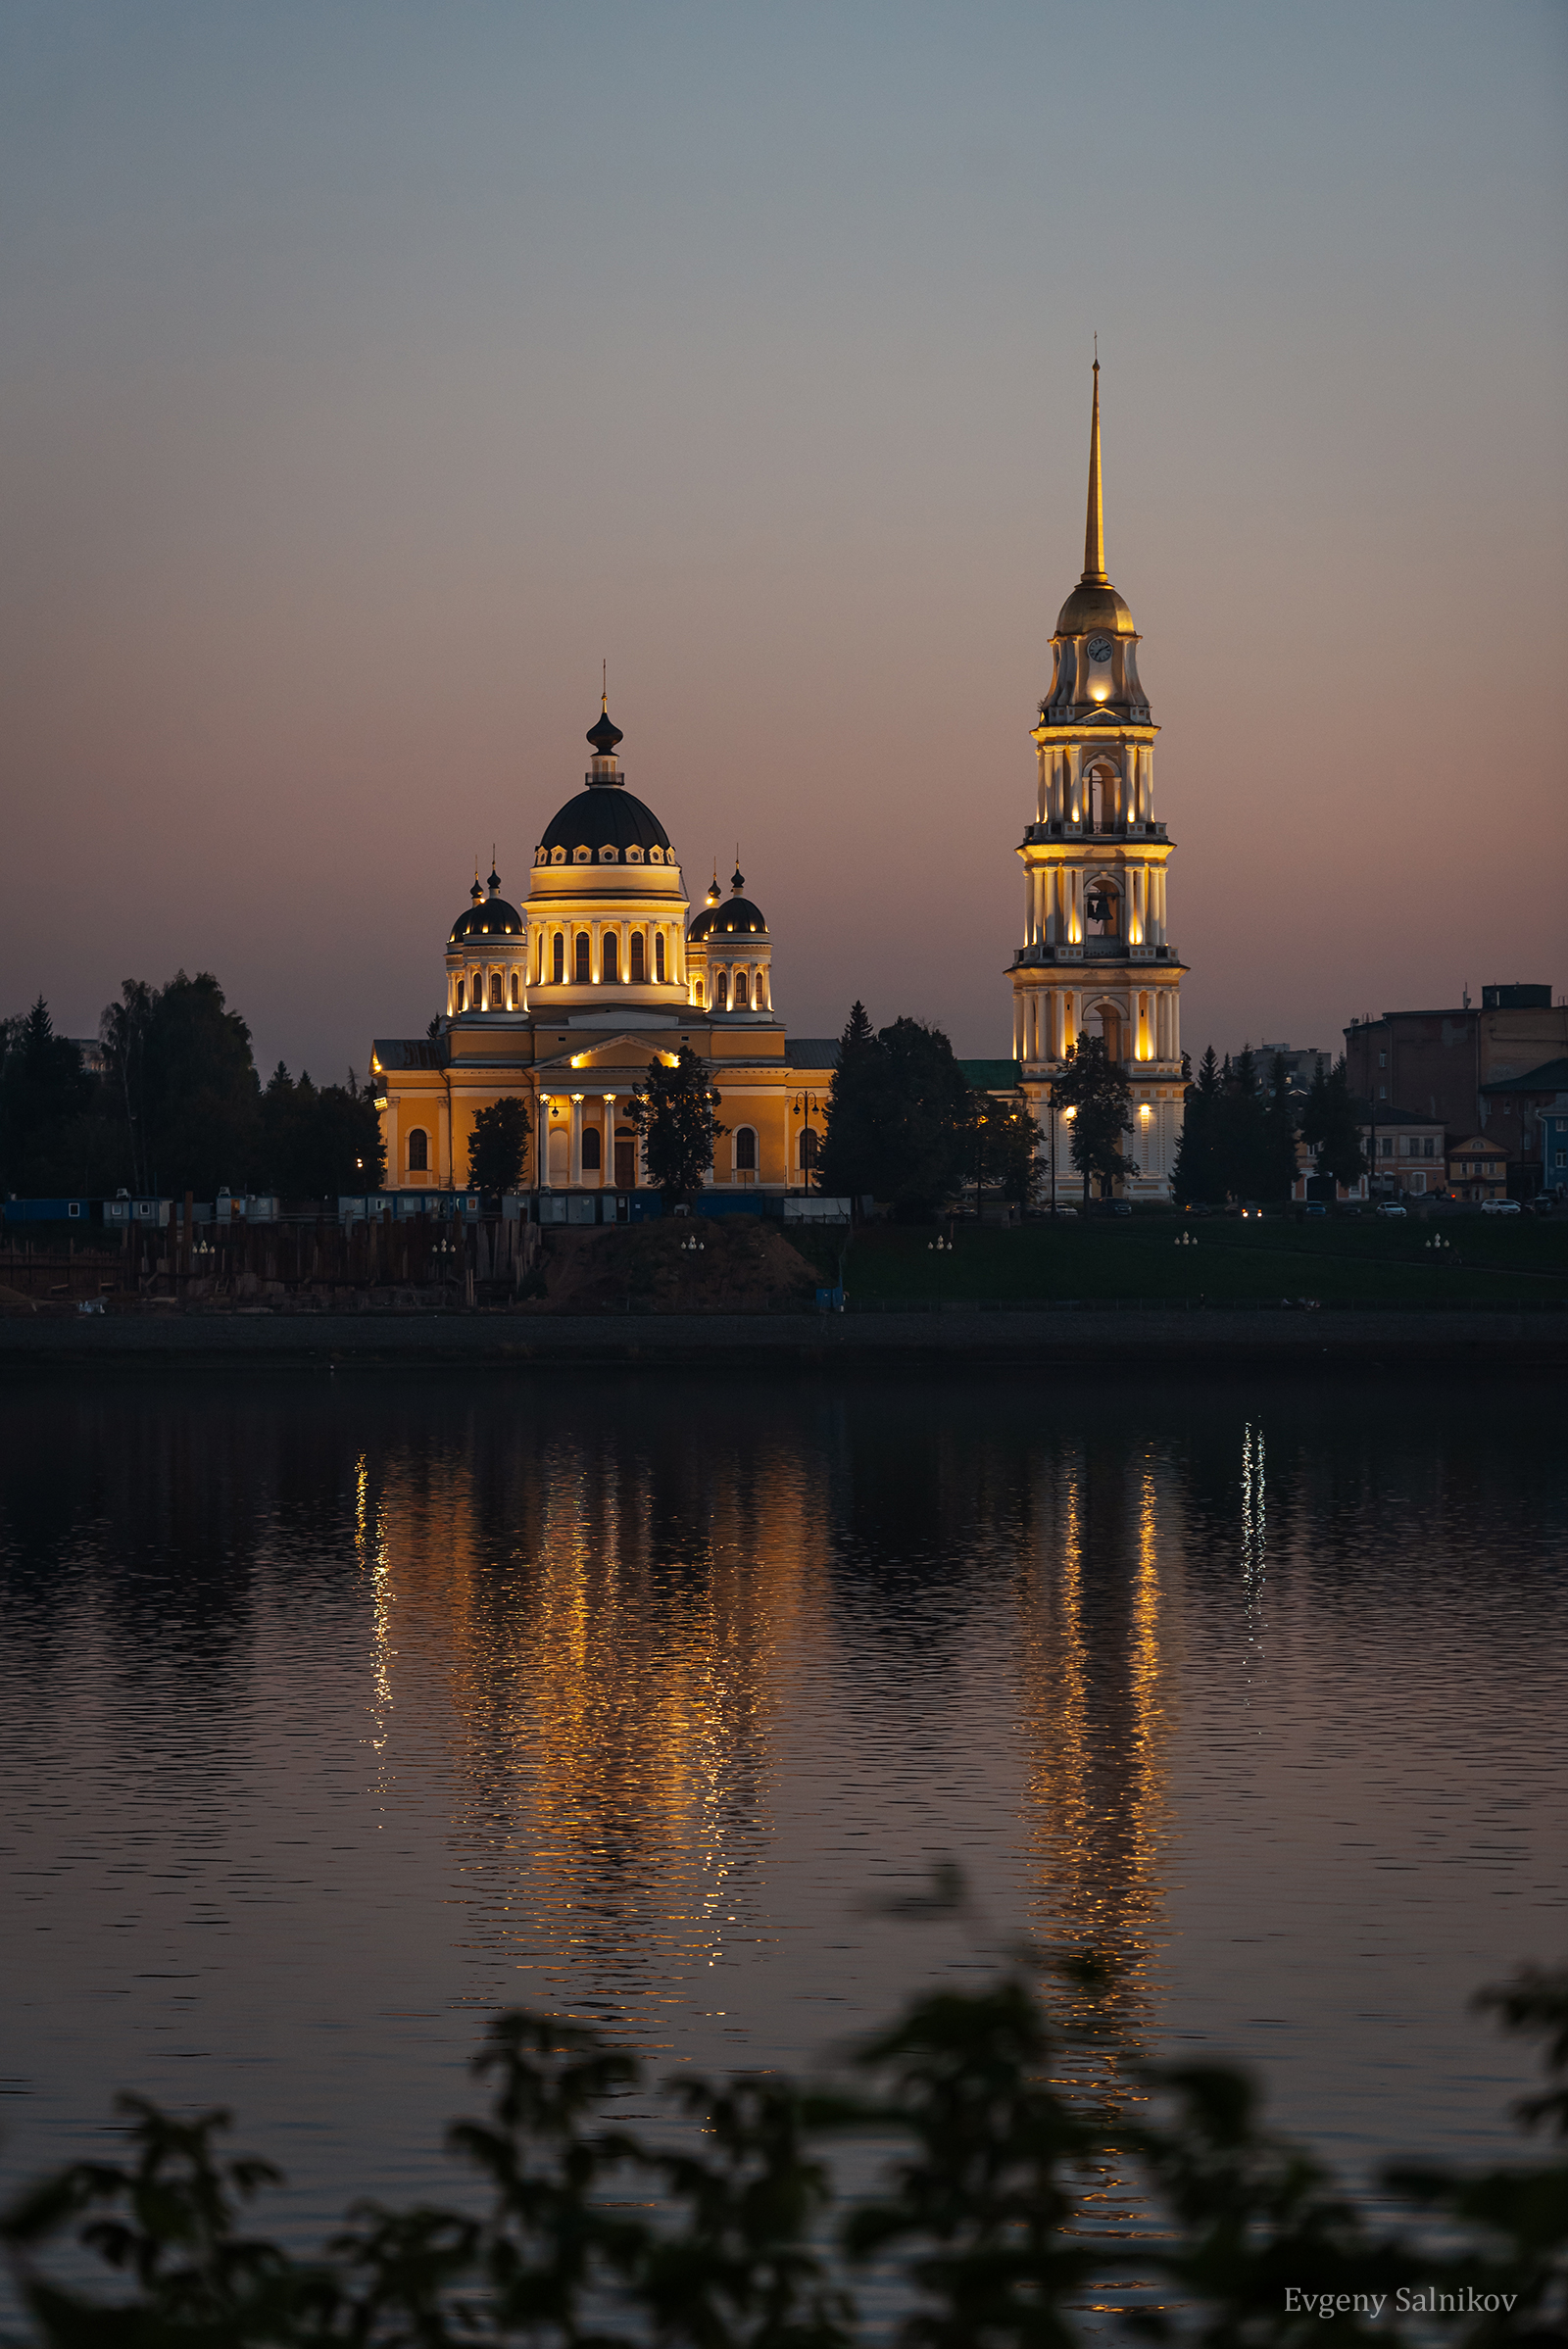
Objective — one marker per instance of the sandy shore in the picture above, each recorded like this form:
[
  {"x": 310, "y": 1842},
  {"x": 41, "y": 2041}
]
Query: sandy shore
[{"x": 1063, "y": 1338}]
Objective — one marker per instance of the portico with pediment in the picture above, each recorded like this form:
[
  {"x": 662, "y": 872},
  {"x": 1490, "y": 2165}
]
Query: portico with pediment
[{"x": 1097, "y": 954}]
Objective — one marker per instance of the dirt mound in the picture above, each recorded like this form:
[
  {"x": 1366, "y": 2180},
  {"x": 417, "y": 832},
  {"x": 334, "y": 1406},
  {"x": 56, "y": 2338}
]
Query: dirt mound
[{"x": 740, "y": 1264}]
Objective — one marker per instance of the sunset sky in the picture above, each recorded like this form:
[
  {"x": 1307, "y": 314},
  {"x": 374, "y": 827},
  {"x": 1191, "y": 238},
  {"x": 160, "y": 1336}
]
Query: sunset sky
[{"x": 367, "y": 373}]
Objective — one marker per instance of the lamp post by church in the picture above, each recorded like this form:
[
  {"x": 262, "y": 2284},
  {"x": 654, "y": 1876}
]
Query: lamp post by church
[
  {"x": 806, "y": 1105},
  {"x": 1050, "y": 1110}
]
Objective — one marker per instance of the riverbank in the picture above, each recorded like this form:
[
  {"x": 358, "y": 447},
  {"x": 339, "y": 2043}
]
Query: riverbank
[{"x": 1061, "y": 1338}]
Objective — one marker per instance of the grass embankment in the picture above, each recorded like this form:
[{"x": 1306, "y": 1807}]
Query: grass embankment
[{"x": 1336, "y": 1262}]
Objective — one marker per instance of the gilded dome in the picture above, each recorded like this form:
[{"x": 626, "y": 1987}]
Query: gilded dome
[{"x": 1095, "y": 606}]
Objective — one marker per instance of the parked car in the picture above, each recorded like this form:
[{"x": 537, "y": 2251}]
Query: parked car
[
  {"x": 1500, "y": 1206},
  {"x": 1316, "y": 1207},
  {"x": 1391, "y": 1206},
  {"x": 1121, "y": 1207}
]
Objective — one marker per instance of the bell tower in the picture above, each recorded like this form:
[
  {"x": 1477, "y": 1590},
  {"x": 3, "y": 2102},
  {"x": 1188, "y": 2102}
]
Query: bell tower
[{"x": 1097, "y": 953}]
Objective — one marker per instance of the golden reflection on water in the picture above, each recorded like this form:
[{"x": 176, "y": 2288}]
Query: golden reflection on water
[
  {"x": 613, "y": 1707},
  {"x": 1098, "y": 1708},
  {"x": 618, "y": 1685}
]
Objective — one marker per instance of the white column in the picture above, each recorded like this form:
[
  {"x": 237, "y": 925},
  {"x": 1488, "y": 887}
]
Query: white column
[
  {"x": 625, "y": 953},
  {"x": 574, "y": 1168}
]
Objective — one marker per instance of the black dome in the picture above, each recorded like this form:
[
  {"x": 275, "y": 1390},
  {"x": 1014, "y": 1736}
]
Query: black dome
[
  {"x": 492, "y": 915},
  {"x": 732, "y": 914},
  {"x": 603, "y": 734},
  {"x": 605, "y": 817}
]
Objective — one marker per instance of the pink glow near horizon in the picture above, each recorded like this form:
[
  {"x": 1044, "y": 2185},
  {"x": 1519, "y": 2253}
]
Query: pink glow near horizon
[{"x": 368, "y": 376}]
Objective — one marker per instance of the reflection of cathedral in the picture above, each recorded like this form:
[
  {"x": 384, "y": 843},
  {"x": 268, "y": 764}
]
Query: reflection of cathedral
[
  {"x": 565, "y": 1002},
  {"x": 1097, "y": 956}
]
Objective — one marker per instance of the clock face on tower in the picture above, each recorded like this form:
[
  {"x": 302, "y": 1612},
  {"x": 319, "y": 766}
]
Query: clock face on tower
[{"x": 1099, "y": 647}]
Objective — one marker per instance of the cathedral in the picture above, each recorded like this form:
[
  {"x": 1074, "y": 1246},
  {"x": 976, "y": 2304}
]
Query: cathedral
[
  {"x": 1097, "y": 956},
  {"x": 565, "y": 1003}
]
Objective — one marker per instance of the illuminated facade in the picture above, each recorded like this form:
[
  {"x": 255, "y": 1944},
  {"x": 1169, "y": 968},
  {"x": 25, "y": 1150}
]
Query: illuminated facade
[
  {"x": 564, "y": 1002},
  {"x": 1097, "y": 953}
]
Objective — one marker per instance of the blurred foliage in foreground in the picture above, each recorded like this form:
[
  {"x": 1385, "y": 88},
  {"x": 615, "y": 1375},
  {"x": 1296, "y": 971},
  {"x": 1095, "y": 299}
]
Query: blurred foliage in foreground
[{"x": 726, "y": 2234}]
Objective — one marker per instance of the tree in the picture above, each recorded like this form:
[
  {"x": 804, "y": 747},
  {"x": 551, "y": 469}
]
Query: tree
[
  {"x": 45, "y": 1092},
  {"x": 1099, "y": 1098},
  {"x": 1008, "y": 1153},
  {"x": 1278, "y": 1167},
  {"x": 852, "y": 1151},
  {"x": 1241, "y": 1128},
  {"x": 318, "y": 1142},
  {"x": 179, "y": 1061},
  {"x": 1199, "y": 1175},
  {"x": 672, "y": 1110},
  {"x": 931, "y": 1112},
  {"x": 499, "y": 1144},
  {"x": 901, "y": 1116},
  {"x": 1330, "y": 1125}
]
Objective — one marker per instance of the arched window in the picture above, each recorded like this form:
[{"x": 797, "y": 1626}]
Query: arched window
[
  {"x": 659, "y": 957},
  {"x": 419, "y": 1151},
  {"x": 460, "y": 994},
  {"x": 721, "y": 993},
  {"x": 516, "y": 991},
  {"x": 808, "y": 1147},
  {"x": 593, "y": 1157},
  {"x": 696, "y": 992},
  {"x": 584, "y": 949},
  {"x": 746, "y": 1150},
  {"x": 612, "y": 959},
  {"x": 639, "y": 958},
  {"x": 559, "y": 959},
  {"x": 498, "y": 1001},
  {"x": 560, "y": 1155},
  {"x": 740, "y": 990}
]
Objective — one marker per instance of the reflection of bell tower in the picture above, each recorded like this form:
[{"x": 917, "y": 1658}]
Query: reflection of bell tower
[
  {"x": 1096, "y": 1719},
  {"x": 1097, "y": 956}
]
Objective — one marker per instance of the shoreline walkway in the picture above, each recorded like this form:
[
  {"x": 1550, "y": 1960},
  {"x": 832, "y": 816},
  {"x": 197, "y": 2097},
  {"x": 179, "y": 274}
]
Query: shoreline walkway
[{"x": 1060, "y": 1339}]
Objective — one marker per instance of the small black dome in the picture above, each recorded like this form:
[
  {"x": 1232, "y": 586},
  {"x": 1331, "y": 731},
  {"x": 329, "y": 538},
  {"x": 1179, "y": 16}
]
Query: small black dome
[
  {"x": 491, "y": 918},
  {"x": 605, "y": 817},
  {"x": 603, "y": 734},
  {"x": 737, "y": 916}
]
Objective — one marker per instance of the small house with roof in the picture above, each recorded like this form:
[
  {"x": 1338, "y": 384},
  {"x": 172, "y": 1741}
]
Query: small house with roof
[
  {"x": 1478, "y": 1170},
  {"x": 1527, "y": 1115}
]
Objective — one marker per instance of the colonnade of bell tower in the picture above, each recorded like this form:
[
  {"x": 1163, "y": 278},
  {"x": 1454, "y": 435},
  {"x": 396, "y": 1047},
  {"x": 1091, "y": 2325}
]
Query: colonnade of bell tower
[{"x": 1097, "y": 956}]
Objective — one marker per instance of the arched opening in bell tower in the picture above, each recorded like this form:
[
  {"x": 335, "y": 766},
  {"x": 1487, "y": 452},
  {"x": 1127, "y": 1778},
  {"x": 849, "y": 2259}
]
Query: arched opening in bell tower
[
  {"x": 1101, "y": 796},
  {"x": 1114, "y": 1032},
  {"x": 1102, "y": 907}
]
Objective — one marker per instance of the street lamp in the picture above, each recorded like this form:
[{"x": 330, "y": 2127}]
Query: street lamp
[{"x": 806, "y": 1105}]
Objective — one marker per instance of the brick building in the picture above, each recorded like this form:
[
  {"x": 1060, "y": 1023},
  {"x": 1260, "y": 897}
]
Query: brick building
[{"x": 1438, "y": 1064}]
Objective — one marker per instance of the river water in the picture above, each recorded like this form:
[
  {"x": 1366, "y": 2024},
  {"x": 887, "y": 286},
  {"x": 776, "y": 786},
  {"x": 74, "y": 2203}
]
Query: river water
[{"x": 337, "y": 1713}]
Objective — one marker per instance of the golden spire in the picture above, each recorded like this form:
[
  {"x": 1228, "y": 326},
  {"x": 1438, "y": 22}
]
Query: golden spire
[
  {"x": 604, "y": 686},
  {"x": 1095, "y": 526}
]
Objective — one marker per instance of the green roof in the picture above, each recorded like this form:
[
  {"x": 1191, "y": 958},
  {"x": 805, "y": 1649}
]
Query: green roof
[{"x": 992, "y": 1076}]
